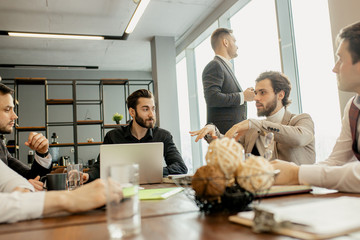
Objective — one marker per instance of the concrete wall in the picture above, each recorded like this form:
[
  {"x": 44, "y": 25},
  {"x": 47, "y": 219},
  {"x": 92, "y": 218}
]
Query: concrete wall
[{"x": 163, "y": 58}]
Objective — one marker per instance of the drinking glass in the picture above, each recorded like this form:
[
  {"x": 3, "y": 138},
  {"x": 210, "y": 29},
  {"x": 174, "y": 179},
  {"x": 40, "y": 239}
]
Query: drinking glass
[
  {"x": 74, "y": 173},
  {"x": 122, "y": 208}
]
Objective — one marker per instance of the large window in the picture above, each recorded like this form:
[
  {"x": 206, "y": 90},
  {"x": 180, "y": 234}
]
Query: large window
[
  {"x": 203, "y": 55},
  {"x": 315, "y": 59},
  {"x": 255, "y": 30},
  {"x": 182, "y": 85},
  {"x": 255, "y": 27}
]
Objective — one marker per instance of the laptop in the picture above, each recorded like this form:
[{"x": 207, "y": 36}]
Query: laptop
[{"x": 149, "y": 156}]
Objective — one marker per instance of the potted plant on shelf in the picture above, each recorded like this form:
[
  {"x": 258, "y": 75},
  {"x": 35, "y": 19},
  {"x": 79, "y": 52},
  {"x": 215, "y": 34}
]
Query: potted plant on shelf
[{"x": 117, "y": 117}]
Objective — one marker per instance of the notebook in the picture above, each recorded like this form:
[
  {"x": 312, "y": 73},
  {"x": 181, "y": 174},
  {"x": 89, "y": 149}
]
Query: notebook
[
  {"x": 321, "y": 219},
  {"x": 149, "y": 156},
  {"x": 282, "y": 190}
]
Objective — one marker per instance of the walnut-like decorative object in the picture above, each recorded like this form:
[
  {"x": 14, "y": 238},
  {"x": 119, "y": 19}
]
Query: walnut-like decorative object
[
  {"x": 209, "y": 181},
  {"x": 225, "y": 153},
  {"x": 255, "y": 174}
]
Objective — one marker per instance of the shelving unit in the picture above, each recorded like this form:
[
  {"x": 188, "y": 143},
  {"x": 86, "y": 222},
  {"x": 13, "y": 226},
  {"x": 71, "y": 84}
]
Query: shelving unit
[{"x": 74, "y": 102}]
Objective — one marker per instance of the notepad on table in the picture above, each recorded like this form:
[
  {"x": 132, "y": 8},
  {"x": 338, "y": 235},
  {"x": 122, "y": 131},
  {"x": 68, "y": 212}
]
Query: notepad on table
[
  {"x": 281, "y": 190},
  {"x": 322, "y": 219},
  {"x": 158, "y": 193}
]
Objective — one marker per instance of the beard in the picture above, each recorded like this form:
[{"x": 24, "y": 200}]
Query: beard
[
  {"x": 143, "y": 122},
  {"x": 268, "y": 110},
  {"x": 5, "y": 130}
]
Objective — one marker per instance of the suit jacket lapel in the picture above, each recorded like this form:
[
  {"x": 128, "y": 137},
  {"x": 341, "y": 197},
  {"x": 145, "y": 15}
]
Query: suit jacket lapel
[
  {"x": 285, "y": 121},
  {"x": 231, "y": 72},
  {"x": 250, "y": 139}
]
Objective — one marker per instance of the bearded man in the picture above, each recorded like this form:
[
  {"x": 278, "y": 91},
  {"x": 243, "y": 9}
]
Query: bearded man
[
  {"x": 294, "y": 139},
  {"x": 142, "y": 129}
]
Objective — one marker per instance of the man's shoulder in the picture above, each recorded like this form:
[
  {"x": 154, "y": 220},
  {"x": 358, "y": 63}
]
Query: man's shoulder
[
  {"x": 161, "y": 130},
  {"x": 215, "y": 63},
  {"x": 301, "y": 116},
  {"x": 118, "y": 130}
]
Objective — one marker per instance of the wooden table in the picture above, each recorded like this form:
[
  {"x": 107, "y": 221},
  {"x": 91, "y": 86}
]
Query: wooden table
[{"x": 174, "y": 218}]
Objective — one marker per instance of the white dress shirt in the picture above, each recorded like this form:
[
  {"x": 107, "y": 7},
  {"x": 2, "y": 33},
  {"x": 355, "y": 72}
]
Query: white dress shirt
[
  {"x": 44, "y": 162},
  {"x": 341, "y": 170},
  {"x": 16, "y": 206},
  {"x": 232, "y": 69}
]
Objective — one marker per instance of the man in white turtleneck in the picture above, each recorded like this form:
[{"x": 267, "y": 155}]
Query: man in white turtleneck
[{"x": 293, "y": 134}]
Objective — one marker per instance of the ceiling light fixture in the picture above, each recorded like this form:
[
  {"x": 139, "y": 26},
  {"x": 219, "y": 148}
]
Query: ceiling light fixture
[
  {"x": 62, "y": 36},
  {"x": 139, "y": 11}
]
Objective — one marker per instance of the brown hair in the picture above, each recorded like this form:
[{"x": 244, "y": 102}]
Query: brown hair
[
  {"x": 279, "y": 81},
  {"x": 351, "y": 33},
  {"x": 132, "y": 100},
  {"x": 217, "y": 35},
  {"x": 5, "y": 89}
]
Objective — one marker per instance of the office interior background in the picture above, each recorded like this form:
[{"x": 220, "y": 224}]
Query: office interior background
[{"x": 170, "y": 46}]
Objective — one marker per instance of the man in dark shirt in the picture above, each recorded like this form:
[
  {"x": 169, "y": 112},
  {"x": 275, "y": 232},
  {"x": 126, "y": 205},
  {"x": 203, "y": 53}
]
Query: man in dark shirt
[
  {"x": 142, "y": 129},
  {"x": 36, "y": 141}
]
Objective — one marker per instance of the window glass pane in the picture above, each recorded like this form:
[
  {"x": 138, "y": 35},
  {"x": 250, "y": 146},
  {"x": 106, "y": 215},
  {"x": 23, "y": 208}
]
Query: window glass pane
[
  {"x": 318, "y": 85},
  {"x": 255, "y": 30},
  {"x": 203, "y": 55},
  {"x": 184, "y": 113}
]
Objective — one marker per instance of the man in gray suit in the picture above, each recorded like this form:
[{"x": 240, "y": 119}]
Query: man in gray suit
[
  {"x": 294, "y": 139},
  {"x": 225, "y": 100}
]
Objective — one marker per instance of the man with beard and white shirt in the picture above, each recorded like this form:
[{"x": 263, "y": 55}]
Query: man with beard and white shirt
[
  {"x": 142, "y": 129},
  {"x": 293, "y": 134},
  {"x": 42, "y": 164},
  {"x": 341, "y": 170}
]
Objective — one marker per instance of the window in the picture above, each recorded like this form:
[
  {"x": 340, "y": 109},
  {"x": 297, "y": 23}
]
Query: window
[
  {"x": 203, "y": 55},
  {"x": 315, "y": 59},
  {"x": 184, "y": 113},
  {"x": 255, "y": 30}
]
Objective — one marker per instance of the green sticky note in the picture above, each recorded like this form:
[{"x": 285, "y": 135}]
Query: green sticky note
[{"x": 158, "y": 193}]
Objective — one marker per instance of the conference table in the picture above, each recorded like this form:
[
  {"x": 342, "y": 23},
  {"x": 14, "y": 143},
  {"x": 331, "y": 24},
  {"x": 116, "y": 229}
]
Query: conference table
[{"x": 176, "y": 217}]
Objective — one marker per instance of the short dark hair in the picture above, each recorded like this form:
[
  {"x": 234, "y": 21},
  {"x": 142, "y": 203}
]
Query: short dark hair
[
  {"x": 279, "y": 81},
  {"x": 217, "y": 34},
  {"x": 132, "y": 100},
  {"x": 5, "y": 89},
  {"x": 351, "y": 33}
]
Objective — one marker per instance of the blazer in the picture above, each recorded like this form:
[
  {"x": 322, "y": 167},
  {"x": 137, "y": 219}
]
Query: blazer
[
  {"x": 19, "y": 167},
  {"x": 221, "y": 92},
  {"x": 294, "y": 139}
]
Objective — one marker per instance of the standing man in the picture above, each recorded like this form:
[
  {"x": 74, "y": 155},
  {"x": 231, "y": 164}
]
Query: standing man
[
  {"x": 225, "y": 99},
  {"x": 142, "y": 129},
  {"x": 293, "y": 134},
  {"x": 36, "y": 141},
  {"x": 341, "y": 170}
]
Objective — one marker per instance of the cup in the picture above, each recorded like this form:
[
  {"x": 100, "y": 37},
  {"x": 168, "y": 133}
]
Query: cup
[
  {"x": 54, "y": 181},
  {"x": 74, "y": 176},
  {"x": 122, "y": 207}
]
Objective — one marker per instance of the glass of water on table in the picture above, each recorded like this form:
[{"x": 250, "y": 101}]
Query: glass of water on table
[{"x": 74, "y": 176}]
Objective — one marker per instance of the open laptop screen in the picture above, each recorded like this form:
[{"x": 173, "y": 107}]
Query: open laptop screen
[{"x": 149, "y": 156}]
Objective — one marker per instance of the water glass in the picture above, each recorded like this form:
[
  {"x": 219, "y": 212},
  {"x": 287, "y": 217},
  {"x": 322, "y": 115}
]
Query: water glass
[
  {"x": 122, "y": 208},
  {"x": 74, "y": 176}
]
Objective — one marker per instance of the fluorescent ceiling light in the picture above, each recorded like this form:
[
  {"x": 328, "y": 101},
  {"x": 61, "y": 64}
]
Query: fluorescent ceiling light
[
  {"x": 62, "y": 36},
  {"x": 136, "y": 16}
]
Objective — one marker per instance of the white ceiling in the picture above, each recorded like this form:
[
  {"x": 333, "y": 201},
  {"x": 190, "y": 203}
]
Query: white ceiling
[{"x": 175, "y": 18}]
